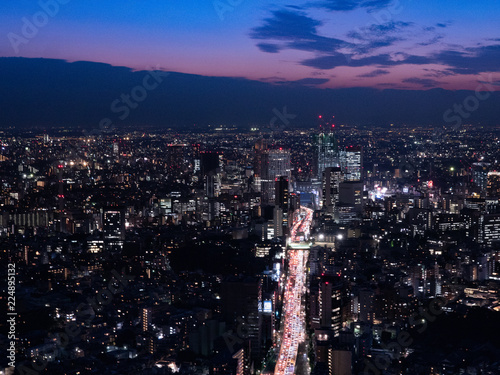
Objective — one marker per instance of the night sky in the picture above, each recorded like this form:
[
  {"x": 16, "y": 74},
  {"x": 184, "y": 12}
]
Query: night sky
[{"x": 346, "y": 43}]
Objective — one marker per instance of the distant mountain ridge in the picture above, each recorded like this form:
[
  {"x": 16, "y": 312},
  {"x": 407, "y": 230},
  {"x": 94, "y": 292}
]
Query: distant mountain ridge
[{"x": 45, "y": 92}]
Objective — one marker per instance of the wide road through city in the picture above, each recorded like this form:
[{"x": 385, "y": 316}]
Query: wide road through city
[{"x": 293, "y": 326}]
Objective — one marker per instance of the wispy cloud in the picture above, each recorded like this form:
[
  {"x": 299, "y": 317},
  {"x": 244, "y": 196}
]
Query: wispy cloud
[
  {"x": 333, "y": 61},
  {"x": 375, "y": 73},
  {"x": 424, "y": 82},
  {"x": 348, "y": 5},
  {"x": 268, "y": 47}
]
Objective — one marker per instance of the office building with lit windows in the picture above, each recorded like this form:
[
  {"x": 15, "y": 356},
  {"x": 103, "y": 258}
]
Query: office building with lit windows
[
  {"x": 330, "y": 304},
  {"x": 351, "y": 162},
  {"x": 113, "y": 226},
  {"x": 327, "y": 152}
]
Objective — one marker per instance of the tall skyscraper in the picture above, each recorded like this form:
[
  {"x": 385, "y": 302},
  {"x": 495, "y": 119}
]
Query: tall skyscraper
[
  {"x": 493, "y": 186},
  {"x": 176, "y": 159},
  {"x": 212, "y": 185},
  {"x": 275, "y": 163},
  {"x": 339, "y": 362},
  {"x": 281, "y": 190},
  {"x": 351, "y": 193},
  {"x": 330, "y": 304},
  {"x": 281, "y": 206},
  {"x": 490, "y": 229},
  {"x": 480, "y": 175},
  {"x": 113, "y": 225},
  {"x": 209, "y": 162},
  {"x": 240, "y": 307},
  {"x": 278, "y": 220},
  {"x": 366, "y": 305},
  {"x": 327, "y": 152},
  {"x": 146, "y": 318},
  {"x": 351, "y": 162},
  {"x": 332, "y": 178}
]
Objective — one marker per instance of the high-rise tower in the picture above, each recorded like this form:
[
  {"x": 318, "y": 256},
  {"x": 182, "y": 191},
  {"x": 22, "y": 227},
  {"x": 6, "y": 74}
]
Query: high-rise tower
[
  {"x": 332, "y": 178},
  {"x": 327, "y": 151},
  {"x": 351, "y": 162},
  {"x": 276, "y": 163}
]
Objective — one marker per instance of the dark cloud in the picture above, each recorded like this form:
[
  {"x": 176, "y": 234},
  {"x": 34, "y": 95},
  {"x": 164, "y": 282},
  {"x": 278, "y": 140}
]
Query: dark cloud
[
  {"x": 370, "y": 46},
  {"x": 431, "y": 41},
  {"x": 339, "y": 5},
  {"x": 310, "y": 81},
  {"x": 267, "y": 47},
  {"x": 294, "y": 7},
  {"x": 307, "y": 82},
  {"x": 376, "y": 36},
  {"x": 473, "y": 60},
  {"x": 436, "y": 73},
  {"x": 319, "y": 44},
  {"x": 287, "y": 25},
  {"x": 348, "y": 5},
  {"x": 389, "y": 27},
  {"x": 296, "y": 31},
  {"x": 80, "y": 94},
  {"x": 424, "y": 82},
  {"x": 332, "y": 61},
  {"x": 372, "y": 32},
  {"x": 494, "y": 83},
  {"x": 376, "y": 4},
  {"x": 375, "y": 73}
]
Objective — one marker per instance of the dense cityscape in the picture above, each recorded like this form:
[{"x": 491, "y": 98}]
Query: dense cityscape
[
  {"x": 235, "y": 187},
  {"x": 332, "y": 250}
]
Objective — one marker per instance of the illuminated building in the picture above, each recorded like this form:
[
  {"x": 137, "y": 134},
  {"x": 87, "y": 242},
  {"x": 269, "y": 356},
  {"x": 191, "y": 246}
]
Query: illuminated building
[
  {"x": 493, "y": 184},
  {"x": 146, "y": 318},
  {"x": 491, "y": 229},
  {"x": 351, "y": 193},
  {"x": 327, "y": 152},
  {"x": 282, "y": 205},
  {"x": 366, "y": 305},
  {"x": 113, "y": 225},
  {"x": 339, "y": 362},
  {"x": 275, "y": 163},
  {"x": 480, "y": 175},
  {"x": 330, "y": 304},
  {"x": 332, "y": 177},
  {"x": 351, "y": 162}
]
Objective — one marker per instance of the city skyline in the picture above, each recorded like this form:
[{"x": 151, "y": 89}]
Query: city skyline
[{"x": 236, "y": 187}]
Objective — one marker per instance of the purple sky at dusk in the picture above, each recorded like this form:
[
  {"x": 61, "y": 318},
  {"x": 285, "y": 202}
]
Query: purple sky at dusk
[{"x": 405, "y": 44}]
